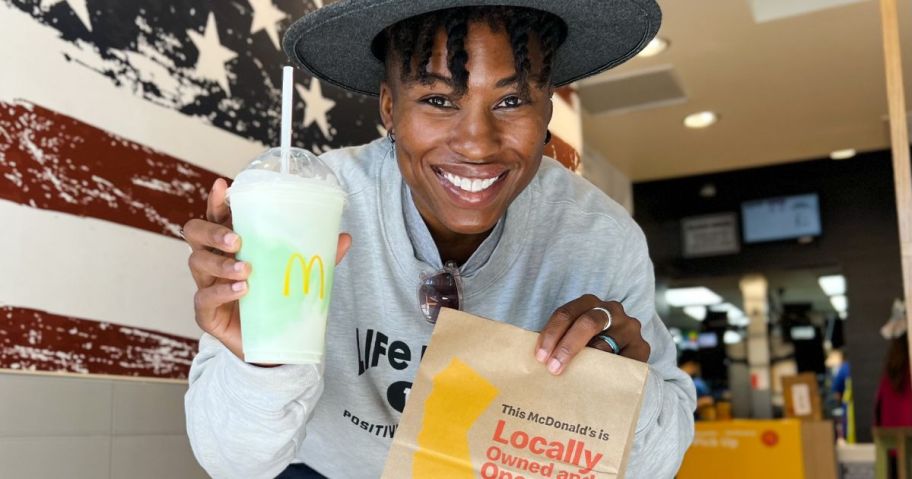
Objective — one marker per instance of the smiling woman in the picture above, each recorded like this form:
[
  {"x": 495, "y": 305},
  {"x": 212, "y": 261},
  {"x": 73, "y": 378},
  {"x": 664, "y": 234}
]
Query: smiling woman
[{"x": 459, "y": 190}]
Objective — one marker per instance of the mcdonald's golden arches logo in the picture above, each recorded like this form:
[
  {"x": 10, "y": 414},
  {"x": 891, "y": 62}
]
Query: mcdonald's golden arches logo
[{"x": 307, "y": 267}]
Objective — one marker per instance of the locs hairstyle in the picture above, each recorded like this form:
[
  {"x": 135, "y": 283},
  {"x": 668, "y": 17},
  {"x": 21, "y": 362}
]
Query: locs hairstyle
[{"x": 413, "y": 39}]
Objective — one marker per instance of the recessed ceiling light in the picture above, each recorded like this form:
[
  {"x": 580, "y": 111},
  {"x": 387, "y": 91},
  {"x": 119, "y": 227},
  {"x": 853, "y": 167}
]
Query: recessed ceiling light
[
  {"x": 708, "y": 190},
  {"x": 731, "y": 337},
  {"x": 699, "y": 296},
  {"x": 700, "y": 120},
  {"x": 696, "y": 312},
  {"x": 843, "y": 154},
  {"x": 833, "y": 285},
  {"x": 656, "y": 46}
]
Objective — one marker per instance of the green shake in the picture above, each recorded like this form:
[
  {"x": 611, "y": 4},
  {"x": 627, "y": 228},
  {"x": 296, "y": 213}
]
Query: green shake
[{"x": 289, "y": 229}]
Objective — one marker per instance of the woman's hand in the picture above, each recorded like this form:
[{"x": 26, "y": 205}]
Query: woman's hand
[
  {"x": 577, "y": 324},
  {"x": 220, "y": 279}
]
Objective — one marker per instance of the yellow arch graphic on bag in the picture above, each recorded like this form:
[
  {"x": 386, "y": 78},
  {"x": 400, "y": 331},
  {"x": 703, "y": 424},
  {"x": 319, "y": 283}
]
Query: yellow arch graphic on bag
[
  {"x": 458, "y": 397},
  {"x": 307, "y": 266}
]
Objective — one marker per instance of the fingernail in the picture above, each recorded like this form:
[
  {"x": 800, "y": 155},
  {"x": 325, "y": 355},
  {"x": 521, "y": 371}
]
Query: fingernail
[
  {"x": 554, "y": 366},
  {"x": 541, "y": 355},
  {"x": 230, "y": 239},
  {"x": 239, "y": 266},
  {"x": 239, "y": 286}
]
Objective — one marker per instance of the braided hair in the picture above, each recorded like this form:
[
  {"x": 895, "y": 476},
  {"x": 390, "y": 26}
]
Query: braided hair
[{"x": 413, "y": 39}]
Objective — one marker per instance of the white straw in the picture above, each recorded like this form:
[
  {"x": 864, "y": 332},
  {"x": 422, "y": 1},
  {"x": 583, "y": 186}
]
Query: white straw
[{"x": 287, "y": 82}]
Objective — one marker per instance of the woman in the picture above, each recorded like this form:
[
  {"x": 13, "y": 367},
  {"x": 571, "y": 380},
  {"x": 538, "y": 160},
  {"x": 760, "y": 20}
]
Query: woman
[
  {"x": 459, "y": 187},
  {"x": 893, "y": 406}
]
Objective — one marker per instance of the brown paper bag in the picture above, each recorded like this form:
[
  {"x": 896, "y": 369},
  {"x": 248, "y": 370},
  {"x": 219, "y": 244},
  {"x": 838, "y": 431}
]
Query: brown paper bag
[{"x": 483, "y": 407}]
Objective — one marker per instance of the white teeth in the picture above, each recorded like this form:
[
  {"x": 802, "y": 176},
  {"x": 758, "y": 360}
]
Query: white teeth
[{"x": 467, "y": 184}]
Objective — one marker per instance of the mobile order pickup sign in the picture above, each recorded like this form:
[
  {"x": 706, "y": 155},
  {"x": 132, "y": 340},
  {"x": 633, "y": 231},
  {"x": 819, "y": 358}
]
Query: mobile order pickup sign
[{"x": 483, "y": 407}]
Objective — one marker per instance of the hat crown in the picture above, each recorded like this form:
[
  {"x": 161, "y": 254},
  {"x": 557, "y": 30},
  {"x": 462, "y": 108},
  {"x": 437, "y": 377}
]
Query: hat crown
[{"x": 336, "y": 43}]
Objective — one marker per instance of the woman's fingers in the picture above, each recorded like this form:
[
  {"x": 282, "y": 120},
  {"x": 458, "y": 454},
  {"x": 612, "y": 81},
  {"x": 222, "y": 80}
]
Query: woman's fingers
[
  {"x": 587, "y": 324},
  {"x": 561, "y": 321},
  {"x": 577, "y": 325},
  {"x": 601, "y": 345},
  {"x": 216, "y": 208},
  {"x": 201, "y": 234},
  {"x": 639, "y": 351},
  {"x": 207, "y": 267},
  {"x": 207, "y": 299},
  {"x": 627, "y": 333}
]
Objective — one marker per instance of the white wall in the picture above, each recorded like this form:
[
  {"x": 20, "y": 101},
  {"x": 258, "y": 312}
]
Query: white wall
[{"x": 600, "y": 172}]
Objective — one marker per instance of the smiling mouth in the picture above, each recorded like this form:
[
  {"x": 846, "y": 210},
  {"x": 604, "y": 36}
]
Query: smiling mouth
[{"x": 469, "y": 185}]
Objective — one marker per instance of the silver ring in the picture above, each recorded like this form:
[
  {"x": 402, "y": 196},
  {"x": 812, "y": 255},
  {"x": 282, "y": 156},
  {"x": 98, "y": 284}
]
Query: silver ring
[
  {"x": 599, "y": 308},
  {"x": 610, "y": 342}
]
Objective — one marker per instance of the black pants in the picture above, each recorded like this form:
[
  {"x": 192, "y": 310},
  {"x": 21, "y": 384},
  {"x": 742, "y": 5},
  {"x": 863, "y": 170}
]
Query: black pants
[{"x": 300, "y": 471}]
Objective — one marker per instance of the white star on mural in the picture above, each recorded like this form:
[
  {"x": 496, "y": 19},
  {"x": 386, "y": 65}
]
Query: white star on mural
[
  {"x": 315, "y": 106},
  {"x": 212, "y": 55},
  {"x": 265, "y": 17}
]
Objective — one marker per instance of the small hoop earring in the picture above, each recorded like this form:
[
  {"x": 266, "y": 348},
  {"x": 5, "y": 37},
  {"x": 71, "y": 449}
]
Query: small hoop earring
[
  {"x": 548, "y": 137},
  {"x": 391, "y": 136}
]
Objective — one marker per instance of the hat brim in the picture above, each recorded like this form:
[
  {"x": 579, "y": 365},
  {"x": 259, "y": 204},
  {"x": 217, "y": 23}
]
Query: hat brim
[{"x": 334, "y": 42}]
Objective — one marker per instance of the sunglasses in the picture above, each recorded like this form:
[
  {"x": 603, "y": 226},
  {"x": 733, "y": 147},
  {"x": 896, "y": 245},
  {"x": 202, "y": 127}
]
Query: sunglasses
[{"x": 441, "y": 289}]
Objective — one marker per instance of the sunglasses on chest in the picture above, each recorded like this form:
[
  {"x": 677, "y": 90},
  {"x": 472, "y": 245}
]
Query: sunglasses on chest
[{"x": 440, "y": 289}]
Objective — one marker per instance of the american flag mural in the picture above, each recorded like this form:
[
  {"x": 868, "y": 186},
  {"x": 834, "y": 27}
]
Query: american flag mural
[{"x": 115, "y": 119}]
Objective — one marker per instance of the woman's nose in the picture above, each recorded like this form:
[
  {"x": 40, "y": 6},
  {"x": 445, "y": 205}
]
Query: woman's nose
[{"x": 476, "y": 137}]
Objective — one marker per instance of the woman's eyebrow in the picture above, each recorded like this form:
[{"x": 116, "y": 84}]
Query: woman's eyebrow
[
  {"x": 505, "y": 82},
  {"x": 445, "y": 80}
]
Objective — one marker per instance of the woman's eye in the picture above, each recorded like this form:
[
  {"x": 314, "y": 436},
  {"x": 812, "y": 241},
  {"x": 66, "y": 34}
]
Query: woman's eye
[
  {"x": 510, "y": 102},
  {"x": 439, "y": 102}
]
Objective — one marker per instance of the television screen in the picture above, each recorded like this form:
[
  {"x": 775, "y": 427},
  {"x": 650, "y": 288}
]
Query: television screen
[
  {"x": 780, "y": 218},
  {"x": 707, "y": 340}
]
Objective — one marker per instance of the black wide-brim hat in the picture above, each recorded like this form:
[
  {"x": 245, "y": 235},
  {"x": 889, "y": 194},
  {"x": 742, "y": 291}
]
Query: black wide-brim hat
[{"x": 334, "y": 42}]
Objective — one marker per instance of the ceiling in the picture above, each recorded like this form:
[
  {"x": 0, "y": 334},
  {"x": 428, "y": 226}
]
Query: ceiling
[{"x": 785, "y": 90}]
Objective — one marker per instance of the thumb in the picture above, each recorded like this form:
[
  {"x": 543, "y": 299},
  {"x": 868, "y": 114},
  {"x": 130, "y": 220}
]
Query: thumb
[
  {"x": 216, "y": 208},
  {"x": 345, "y": 241}
]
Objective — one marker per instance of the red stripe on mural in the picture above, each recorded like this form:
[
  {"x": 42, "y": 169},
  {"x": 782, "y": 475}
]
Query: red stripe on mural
[
  {"x": 561, "y": 151},
  {"x": 55, "y": 162},
  {"x": 32, "y": 340}
]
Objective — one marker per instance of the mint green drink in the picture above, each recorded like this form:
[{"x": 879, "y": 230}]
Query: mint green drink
[{"x": 289, "y": 229}]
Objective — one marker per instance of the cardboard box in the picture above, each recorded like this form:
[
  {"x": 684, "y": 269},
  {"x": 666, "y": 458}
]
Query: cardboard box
[{"x": 802, "y": 399}]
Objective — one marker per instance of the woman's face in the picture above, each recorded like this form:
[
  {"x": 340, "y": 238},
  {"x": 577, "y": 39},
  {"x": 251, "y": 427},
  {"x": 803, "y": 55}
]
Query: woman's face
[{"x": 466, "y": 158}]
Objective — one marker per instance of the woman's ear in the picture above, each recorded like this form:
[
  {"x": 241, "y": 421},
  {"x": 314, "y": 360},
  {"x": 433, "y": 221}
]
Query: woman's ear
[
  {"x": 386, "y": 105},
  {"x": 550, "y": 106}
]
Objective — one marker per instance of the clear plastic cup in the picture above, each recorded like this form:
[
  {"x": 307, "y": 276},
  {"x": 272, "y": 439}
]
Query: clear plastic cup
[{"x": 289, "y": 229}]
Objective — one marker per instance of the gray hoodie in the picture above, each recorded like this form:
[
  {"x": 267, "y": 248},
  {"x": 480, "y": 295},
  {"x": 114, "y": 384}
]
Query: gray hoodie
[{"x": 561, "y": 238}]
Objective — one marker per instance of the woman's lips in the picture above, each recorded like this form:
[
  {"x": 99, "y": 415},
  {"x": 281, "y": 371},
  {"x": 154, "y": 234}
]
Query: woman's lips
[{"x": 475, "y": 190}]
